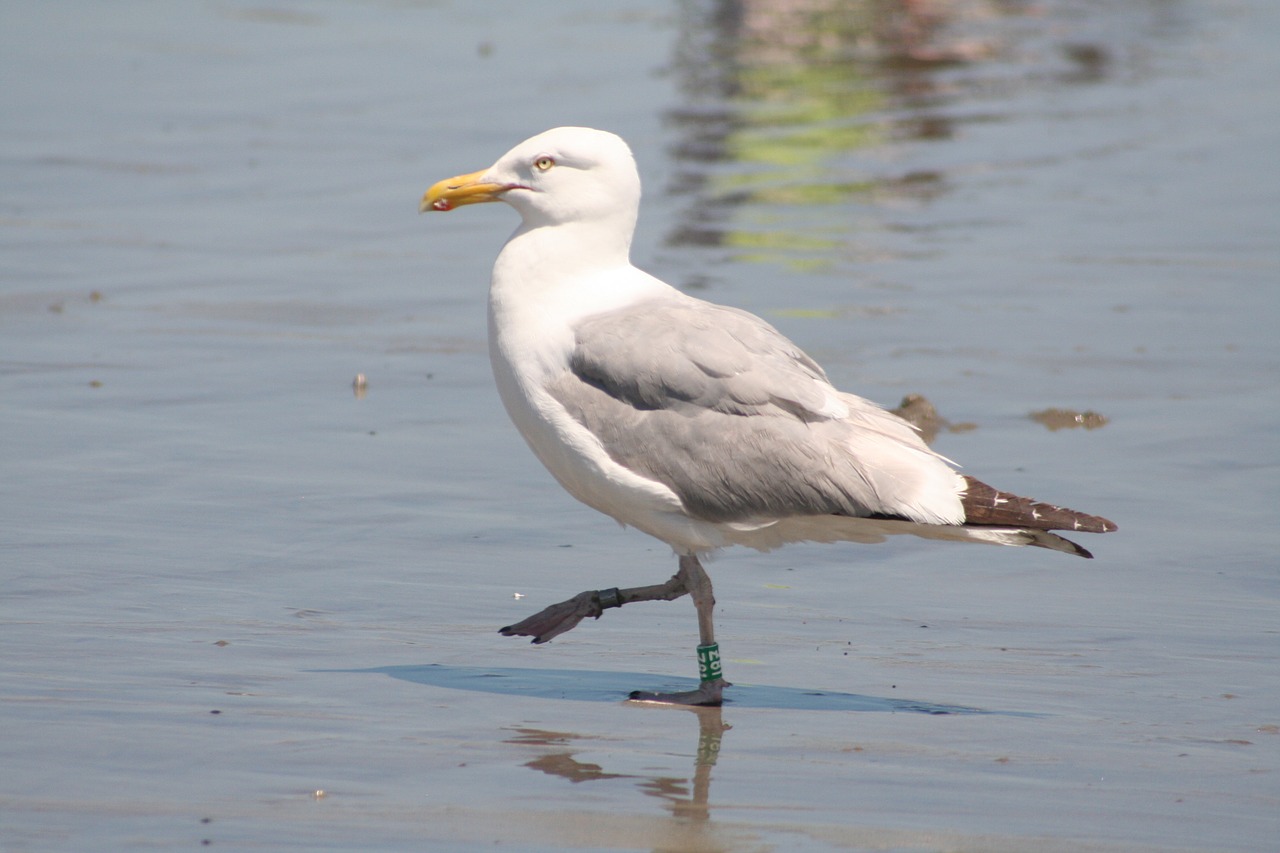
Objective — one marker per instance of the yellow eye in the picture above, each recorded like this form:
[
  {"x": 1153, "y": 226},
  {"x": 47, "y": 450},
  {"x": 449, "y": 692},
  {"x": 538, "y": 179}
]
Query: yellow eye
[{"x": 542, "y": 164}]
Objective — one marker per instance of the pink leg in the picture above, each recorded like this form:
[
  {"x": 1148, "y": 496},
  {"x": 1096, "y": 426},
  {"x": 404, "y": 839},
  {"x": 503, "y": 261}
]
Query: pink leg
[
  {"x": 711, "y": 689},
  {"x": 690, "y": 580},
  {"x": 559, "y": 618}
]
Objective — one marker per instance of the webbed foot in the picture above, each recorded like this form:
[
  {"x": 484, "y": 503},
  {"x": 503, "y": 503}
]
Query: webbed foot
[
  {"x": 557, "y": 619},
  {"x": 708, "y": 693}
]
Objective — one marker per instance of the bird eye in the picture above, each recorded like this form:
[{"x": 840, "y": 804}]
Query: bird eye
[{"x": 543, "y": 163}]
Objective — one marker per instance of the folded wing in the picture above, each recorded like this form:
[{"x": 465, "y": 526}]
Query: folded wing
[{"x": 721, "y": 408}]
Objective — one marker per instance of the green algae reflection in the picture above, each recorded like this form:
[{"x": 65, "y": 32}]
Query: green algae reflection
[{"x": 799, "y": 107}]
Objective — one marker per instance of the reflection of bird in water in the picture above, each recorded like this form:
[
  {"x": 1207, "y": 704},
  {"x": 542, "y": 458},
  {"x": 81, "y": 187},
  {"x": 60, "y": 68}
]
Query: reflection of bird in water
[
  {"x": 696, "y": 423},
  {"x": 688, "y": 798}
]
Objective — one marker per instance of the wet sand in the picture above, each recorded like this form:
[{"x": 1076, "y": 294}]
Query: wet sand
[{"x": 244, "y": 607}]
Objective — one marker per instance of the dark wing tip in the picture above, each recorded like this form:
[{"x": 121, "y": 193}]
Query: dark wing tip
[{"x": 984, "y": 504}]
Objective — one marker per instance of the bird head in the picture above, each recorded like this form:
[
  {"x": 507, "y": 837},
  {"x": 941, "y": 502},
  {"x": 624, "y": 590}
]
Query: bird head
[{"x": 569, "y": 174}]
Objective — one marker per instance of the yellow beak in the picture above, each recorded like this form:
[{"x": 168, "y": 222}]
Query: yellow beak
[{"x": 464, "y": 189}]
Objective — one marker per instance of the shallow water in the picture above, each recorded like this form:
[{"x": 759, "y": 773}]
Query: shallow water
[{"x": 241, "y": 604}]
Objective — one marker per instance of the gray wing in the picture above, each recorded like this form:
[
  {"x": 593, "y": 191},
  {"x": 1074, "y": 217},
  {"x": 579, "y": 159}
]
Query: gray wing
[
  {"x": 660, "y": 355},
  {"x": 717, "y": 405}
]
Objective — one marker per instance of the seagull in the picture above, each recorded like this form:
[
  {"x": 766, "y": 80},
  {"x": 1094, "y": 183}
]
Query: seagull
[{"x": 697, "y": 423}]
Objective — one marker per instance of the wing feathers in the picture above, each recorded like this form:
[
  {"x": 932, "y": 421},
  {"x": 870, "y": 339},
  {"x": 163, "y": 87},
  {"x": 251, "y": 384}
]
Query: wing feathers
[
  {"x": 718, "y": 358},
  {"x": 740, "y": 423},
  {"x": 719, "y": 407},
  {"x": 986, "y": 505}
]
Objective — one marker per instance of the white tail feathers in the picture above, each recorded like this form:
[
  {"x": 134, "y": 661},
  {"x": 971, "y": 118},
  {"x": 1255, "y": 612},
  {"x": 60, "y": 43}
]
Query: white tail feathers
[{"x": 840, "y": 528}]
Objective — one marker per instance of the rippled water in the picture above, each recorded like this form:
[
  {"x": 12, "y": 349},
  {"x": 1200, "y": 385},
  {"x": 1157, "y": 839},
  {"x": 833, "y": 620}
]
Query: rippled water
[{"x": 241, "y": 604}]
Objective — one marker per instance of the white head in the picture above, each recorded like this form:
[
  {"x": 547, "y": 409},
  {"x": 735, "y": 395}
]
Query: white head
[{"x": 566, "y": 175}]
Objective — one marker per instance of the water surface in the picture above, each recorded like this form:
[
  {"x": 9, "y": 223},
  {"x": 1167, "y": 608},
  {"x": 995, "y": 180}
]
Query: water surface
[{"x": 241, "y": 604}]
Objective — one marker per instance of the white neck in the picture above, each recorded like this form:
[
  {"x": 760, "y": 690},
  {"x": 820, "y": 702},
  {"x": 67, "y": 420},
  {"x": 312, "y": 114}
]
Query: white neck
[
  {"x": 567, "y": 249},
  {"x": 569, "y": 271},
  {"x": 547, "y": 279}
]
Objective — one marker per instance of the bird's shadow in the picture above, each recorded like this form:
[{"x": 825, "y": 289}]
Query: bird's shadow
[{"x": 603, "y": 686}]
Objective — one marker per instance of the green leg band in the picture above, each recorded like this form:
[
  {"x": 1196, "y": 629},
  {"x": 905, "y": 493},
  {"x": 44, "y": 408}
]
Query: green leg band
[{"x": 709, "y": 662}]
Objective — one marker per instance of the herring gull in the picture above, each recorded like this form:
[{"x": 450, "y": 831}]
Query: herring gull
[{"x": 697, "y": 423}]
